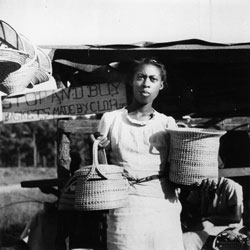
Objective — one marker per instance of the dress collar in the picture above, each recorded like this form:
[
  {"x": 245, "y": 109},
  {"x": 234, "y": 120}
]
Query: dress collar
[{"x": 141, "y": 123}]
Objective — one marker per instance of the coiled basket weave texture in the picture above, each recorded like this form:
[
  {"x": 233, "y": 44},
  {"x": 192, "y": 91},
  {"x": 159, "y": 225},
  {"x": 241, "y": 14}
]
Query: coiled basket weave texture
[
  {"x": 22, "y": 64},
  {"x": 100, "y": 186},
  {"x": 194, "y": 154}
]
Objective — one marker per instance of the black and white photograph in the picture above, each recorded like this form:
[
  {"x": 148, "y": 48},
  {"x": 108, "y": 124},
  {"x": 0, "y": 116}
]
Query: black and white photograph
[{"x": 124, "y": 125}]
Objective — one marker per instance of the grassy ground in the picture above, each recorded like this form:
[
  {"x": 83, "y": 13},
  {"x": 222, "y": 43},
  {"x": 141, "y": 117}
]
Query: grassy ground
[
  {"x": 18, "y": 205},
  {"x": 9, "y": 176}
]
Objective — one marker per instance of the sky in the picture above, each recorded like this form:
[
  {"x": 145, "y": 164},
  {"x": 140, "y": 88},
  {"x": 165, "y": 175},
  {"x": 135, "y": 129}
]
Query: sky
[{"x": 101, "y": 22}]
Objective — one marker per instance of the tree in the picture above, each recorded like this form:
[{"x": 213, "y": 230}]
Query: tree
[
  {"x": 14, "y": 145},
  {"x": 28, "y": 144}
]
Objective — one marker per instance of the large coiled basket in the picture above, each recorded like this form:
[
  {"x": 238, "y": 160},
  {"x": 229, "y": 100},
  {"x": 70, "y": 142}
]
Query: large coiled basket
[
  {"x": 100, "y": 186},
  {"x": 194, "y": 154}
]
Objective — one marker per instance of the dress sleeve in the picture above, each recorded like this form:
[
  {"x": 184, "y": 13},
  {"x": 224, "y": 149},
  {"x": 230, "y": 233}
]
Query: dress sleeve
[
  {"x": 171, "y": 122},
  {"x": 104, "y": 124},
  {"x": 235, "y": 193}
]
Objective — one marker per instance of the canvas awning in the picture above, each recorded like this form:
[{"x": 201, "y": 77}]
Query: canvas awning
[
  {"x": 192, "y": 50},
  {"x": 205, "y": 79}
]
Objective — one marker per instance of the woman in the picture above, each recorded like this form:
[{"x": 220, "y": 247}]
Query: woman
[{"x": 138, "y": 143}]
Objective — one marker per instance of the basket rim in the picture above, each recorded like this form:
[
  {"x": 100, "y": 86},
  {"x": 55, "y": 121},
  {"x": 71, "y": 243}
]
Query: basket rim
[
  {"x": 86, "y": 169},
  {"x": 197, "y": 130},
  {"x": 14, "y": 50}
]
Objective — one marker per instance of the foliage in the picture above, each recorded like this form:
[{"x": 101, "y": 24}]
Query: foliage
[
  {"x": 18, "y": 205},
  {"x": 28, "y": 144},
  {"x": 14, "y": 175}
]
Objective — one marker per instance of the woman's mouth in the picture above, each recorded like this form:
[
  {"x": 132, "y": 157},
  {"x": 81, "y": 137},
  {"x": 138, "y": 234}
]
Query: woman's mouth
[{"x": 144, "y": 93}]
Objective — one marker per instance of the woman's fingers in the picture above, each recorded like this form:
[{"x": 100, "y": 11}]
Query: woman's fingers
[{"x": 103, "y": 141}]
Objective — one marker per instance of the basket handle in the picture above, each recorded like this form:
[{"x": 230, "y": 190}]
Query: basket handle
[
  {"x": 95, "y": 162},
  {"x": 71, "y": 182}
]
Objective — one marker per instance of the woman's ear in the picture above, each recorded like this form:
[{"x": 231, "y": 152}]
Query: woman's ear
[{"x": 162, "y": 85}]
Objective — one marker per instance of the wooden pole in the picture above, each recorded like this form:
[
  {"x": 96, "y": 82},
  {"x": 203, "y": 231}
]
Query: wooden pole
[
  {"x": 1, "y": 110},
  {"x": 63, "y": 154}
]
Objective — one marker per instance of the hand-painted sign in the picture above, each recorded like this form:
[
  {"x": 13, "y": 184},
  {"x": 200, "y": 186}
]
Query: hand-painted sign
[{"x": 60, "y": 103}]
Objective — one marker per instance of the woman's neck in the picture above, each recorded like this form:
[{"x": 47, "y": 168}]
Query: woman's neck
[
  {"x": 140, "y": 111},
  {"x": 139, "y": 107}
]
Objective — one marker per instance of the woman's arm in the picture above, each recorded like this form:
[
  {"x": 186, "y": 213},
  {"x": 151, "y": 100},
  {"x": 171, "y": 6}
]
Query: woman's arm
[{"x": 232, "y": 215}]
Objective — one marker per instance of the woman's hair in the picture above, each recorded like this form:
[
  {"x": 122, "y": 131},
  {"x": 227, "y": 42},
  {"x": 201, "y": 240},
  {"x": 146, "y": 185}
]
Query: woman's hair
[{"x": 149, "y": 61}]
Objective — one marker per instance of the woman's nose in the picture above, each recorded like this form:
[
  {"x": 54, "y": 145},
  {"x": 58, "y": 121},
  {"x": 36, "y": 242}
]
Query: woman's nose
[{"x": 146, "y": 82}]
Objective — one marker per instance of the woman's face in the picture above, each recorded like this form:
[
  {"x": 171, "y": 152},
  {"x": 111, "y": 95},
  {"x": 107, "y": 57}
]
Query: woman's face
[{"x": 147, "y": 83}]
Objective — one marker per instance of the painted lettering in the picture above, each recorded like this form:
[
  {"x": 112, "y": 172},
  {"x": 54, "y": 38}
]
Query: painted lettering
[
  {"x": 78, "y": 93},
  {"x": 65, "y": 94},
  {"x": 71, "y": 109},
  {"x": 6, "y": 104},
  {"x": 92, "y": 107},
  {"x": 96, "y": 98},
  {"x": 113, "y": 104},
  {"x": 62, "y": 110},
  {"x": 56, "y": 110},
  {"x": 30, "y": 99},
  {"x": 55, "y": 98},
  {"x": 93, "y": 91},
  {"x": 104, "y": 89},
  {"x": 26, "y": 115},
  {"x": 42, "y": 94},
  {"x": 114, "y": 88},
  {"x": 85, "y": 106},
  {"x": 105, "y": 105},
  {"x": 79, "y": 108}
]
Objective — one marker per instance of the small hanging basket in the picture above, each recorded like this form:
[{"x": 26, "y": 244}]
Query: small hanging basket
[
  {"x": 10, "y": 61},
  {"x": 12, "y": 51},
  {"x": 44, "y": 68},
  {"x": 193, "y": 154},
  {"x": 100, "y": 186},
  {"x": 17, "y": 57},
  {"x": 18, "y": 80},
  {"x": 30, "y": 49}
]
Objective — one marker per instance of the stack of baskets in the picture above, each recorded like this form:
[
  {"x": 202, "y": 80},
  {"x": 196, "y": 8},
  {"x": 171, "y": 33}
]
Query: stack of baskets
[
  {"x": 12, "y": 52},
  {"x": 24, "y": 64},
  {"x": 194, "y": 154},
  {"x": 95, "y": 187}
]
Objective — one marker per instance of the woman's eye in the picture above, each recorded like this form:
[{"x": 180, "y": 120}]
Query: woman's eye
[
  {"x": 153, "y": 79},
  {"x": 139, "y": 77}
]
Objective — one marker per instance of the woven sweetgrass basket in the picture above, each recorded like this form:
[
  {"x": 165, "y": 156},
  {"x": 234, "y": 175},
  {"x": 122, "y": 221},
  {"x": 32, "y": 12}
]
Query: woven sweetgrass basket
[
  {"x": 100, "y": 186},
  {"x": 18, "y": 80},
  {"x": 10, "y": 61},
  {"x": 17, "y": 57},
  {"x": 30, "y": 49},
  {"x": 12, "y": 51},
  {"x": 193, "y": 154},
  {"x": 44, "y": 68}
]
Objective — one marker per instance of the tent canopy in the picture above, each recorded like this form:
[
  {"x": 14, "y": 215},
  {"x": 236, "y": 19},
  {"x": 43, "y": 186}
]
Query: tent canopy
[
  {"x": 192, "y": 50},
  {"x": 204, "y": 79}
]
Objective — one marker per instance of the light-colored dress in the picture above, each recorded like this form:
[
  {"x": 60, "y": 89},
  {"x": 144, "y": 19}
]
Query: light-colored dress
[{"x": 151, "y": 220}]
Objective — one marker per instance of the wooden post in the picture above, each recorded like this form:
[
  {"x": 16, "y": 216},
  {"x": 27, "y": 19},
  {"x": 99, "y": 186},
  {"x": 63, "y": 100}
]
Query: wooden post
[
  {"x": 63, "y": 155},
  {"x": 1, "y": 110}
]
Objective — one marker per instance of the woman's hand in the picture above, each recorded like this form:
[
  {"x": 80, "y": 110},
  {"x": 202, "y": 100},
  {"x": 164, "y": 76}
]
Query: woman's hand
[
  {"x": 103, "y": 141},
  {"x": 208, "y": 185}
]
